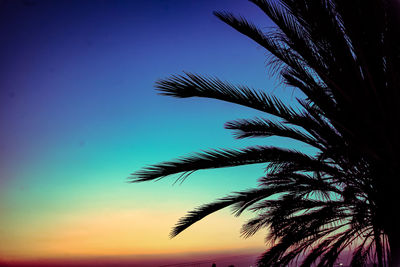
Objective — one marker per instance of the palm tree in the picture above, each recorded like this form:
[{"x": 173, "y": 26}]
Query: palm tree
[{"x": 344, "y": 56}]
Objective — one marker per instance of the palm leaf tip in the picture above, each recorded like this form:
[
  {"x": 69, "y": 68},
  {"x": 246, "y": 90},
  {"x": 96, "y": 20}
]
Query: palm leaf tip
[
  {"x": 198, "y": 214},
  {"x": 223, "y": 15},
  {"x": 155, "y": 172},
  {"x": 184, "y": 86},
  {"x": 240, "y": 201},
  {"x": 230, "y": 19},
  {"x": 142, "y": 175},
  {"x": 173, "y": 86}
]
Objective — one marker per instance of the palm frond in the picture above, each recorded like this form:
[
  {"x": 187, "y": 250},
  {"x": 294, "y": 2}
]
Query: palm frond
[
  {"x": 227, "y": 158},
  {"x": 192, "y": 85},
  {"x": 264, "y": 128},
  {"x": 205, "y": 210}
]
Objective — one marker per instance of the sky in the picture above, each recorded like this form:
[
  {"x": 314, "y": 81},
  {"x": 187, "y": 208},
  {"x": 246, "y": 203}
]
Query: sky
[{"x": 79, "y": 113}]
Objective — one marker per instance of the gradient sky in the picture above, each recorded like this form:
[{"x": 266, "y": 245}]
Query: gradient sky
[{"x": 79, "y": 113}]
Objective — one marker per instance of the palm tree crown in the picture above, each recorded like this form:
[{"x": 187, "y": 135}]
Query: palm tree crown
[{"x": 344, "y": 56}]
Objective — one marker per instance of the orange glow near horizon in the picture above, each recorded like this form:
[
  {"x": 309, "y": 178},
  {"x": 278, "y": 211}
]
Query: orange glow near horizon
[{"x": 127, "y": 232}]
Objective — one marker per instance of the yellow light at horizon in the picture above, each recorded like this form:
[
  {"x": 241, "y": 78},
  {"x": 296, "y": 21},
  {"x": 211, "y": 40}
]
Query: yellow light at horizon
[{"x": 126, "y": 232}]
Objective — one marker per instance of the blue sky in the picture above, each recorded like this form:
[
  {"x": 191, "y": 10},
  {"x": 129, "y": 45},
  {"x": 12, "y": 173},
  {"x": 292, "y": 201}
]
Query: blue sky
[{"x": 79, "y": 113}]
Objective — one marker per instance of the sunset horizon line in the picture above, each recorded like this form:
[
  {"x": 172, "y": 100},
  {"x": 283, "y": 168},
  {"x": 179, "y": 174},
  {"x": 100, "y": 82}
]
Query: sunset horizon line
[{"x": 144, "y": 260}]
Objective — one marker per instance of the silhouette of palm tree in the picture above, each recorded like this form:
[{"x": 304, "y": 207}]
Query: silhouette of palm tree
[{"x": 344, "y": 56}]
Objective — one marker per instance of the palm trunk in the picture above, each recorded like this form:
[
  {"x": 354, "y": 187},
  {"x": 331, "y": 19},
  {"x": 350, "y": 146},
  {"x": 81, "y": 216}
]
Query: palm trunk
[
  {"x": 394, "y": 242},
  {"x": 392, "y": 225},
  {"x": 378, "y": 247},
  {"x": 393, "y": 237}
]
